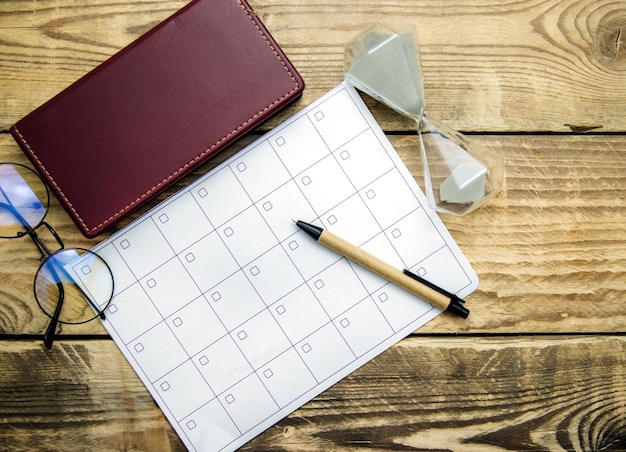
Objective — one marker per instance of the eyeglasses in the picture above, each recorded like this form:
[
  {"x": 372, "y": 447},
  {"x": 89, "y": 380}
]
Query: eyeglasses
[{"x": 72, "y": 285}]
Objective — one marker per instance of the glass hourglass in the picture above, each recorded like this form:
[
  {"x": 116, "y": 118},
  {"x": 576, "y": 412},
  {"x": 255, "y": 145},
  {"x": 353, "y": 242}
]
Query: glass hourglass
[{"x": 384, "y": 62}]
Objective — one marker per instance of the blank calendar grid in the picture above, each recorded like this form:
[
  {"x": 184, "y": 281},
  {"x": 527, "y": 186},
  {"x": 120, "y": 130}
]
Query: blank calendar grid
[{"x": 232, "y": 316}]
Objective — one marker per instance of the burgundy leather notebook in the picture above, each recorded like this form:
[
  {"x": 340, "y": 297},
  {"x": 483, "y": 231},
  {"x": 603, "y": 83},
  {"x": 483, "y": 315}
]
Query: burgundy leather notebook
[{"x": 156, "y": 110}]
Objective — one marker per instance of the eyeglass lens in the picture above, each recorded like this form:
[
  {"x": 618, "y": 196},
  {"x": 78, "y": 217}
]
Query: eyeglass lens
[
  {"x": 25, "y": 198},
  {"x": 70, "y": 277}
]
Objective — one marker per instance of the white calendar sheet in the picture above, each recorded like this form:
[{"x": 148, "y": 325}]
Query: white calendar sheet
[{"x": 232, "y": 316}]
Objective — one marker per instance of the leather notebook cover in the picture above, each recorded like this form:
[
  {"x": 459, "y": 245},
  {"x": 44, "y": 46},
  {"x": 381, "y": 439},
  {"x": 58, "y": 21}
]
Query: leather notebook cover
[{"x": 156, "y": 110}]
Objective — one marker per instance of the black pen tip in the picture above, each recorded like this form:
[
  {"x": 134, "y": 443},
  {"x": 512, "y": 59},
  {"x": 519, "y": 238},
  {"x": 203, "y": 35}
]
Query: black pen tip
[{"x": 312, "y": 230}]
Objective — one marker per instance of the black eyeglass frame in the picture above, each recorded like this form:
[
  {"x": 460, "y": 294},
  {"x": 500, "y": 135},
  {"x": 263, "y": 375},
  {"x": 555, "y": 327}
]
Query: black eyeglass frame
[{"x": 46, "y": 255}]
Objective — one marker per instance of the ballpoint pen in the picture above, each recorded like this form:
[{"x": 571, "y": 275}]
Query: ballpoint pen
[{"x": 404, "y": 278}]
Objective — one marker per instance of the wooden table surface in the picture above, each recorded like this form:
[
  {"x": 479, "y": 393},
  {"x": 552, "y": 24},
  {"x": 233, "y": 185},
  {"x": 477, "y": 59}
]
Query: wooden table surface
[{"x": 540, "y": 362}]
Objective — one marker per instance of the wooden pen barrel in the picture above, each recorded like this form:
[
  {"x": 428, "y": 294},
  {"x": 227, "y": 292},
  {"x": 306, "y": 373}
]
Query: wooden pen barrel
[{"x": 383, "y": 269}]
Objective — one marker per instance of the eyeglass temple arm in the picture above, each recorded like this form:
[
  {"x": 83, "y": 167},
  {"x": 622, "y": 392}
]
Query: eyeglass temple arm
[{"x": 48, "y": 336}]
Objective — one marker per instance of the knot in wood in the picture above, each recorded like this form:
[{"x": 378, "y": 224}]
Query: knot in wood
[{"x": 610, "y": 40}]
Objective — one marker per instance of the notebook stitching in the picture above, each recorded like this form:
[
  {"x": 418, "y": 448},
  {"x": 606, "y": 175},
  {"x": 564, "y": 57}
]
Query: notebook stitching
[{"x": 155, "y": 187}]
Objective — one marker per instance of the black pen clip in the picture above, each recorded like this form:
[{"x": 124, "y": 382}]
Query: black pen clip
[{"x": 456, "y": 303}]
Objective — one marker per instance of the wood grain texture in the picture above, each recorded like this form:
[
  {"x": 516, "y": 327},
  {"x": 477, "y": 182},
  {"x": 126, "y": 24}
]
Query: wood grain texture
[
  {"x": 78, "y": 396},
  {"x": 488, "y": 66},
  {"x": 426, "y": 393},
  {"x": 540, "y": 362}
]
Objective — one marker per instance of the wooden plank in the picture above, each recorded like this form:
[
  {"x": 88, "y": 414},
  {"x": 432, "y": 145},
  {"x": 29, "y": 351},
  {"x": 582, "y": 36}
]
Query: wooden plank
[
  {"x": 466, "y": 393},
  {"x": 523, "y": 66},
  {"x": 550, "y": 250},
  {"x": 80, "y": 395}
]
